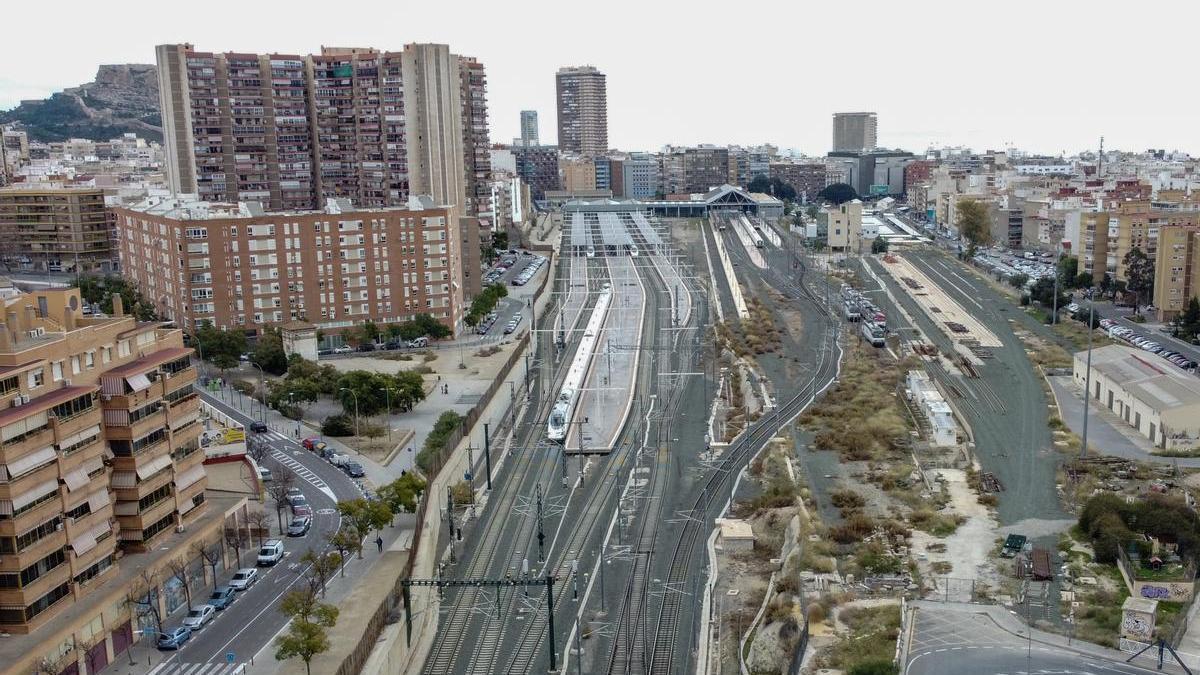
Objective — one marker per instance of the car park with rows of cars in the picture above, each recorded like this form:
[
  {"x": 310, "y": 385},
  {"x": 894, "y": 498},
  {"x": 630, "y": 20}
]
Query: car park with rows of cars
[{"x": 1132, "y": 338}]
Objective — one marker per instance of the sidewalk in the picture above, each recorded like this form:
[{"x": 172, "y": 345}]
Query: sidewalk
[{"x": 1010, "y": 623}]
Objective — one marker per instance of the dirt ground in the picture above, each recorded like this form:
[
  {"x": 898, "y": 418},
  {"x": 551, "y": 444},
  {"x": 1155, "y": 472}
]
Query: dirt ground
[{"x": 968, "y": 550}]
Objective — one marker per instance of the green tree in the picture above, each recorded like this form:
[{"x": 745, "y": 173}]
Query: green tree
[
  {"x": 393, "y": 331},
  {"x": 1043, "y": 293},
  {"x": 1106, "y": 284},
  {"x": 837, "y": 193},
  {"x": 879, "y": 245},
  {"x": 306, "y": 636},
  {"x": 759, "y": 183},
  {"x": 338, "y": 426},
  {"x": 1068, "y": 270},
  {"x": 1187, "y": 324},
  {"x": 423, "y": 325},
  {"x": 499, "y": 241},
  {"x": 100, "y": 290},
  {"x": 365, "y": 516},
  {"x": 1139, "y": 276},
  {"x": 1018, "y": 280},
  {"x": 783, "y": 191},
  {"x": 269, "y": 354},
  {"x": 973, "y": 224},
  {"x": 223, "y": 345},
  {"x": 401, "y": 494},
  {"x": 370, "y": 331},
  {"x": 346, "y": 540}
]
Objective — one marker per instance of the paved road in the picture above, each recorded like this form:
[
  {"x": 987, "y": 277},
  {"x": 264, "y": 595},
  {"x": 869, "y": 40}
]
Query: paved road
[
  {"x": 956, "y": 639},
  {"x": 252, "y": 621}
]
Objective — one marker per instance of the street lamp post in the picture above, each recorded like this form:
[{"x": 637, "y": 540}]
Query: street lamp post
[
  {"x": 355, "y": 395},
  {"x": 262, "y": 387},
  {"x": 290, "y": 405},
  {"x": 387, "y": 418}
]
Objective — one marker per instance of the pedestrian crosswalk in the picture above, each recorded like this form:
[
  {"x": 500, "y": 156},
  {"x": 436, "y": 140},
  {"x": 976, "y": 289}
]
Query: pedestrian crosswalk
[
  {"x": 200, "y": 669},
  {"x": 302, "y": 471}
]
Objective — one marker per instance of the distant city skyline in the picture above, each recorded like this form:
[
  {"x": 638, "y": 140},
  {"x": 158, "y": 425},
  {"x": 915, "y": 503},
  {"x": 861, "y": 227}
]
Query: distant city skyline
[{"x": 657, "y": 87}]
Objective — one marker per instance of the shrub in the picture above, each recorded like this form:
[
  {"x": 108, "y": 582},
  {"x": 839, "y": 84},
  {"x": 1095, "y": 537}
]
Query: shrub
[
  {"x": 338, "y": 425},
  {"x": 873, "y": 667}
]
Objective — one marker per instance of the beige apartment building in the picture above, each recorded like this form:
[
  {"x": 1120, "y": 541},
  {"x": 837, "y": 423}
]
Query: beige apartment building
[
  {"x": 843, "y": 226},
  {"x": 582, "y": 110},
  {"x": 291, "y": 130},
  {"x": 1176, "y": 272},
  {"x": 101, "y": 476},
  {"x": 238, "y": 267},
  {"x": 56, "y": 229}
]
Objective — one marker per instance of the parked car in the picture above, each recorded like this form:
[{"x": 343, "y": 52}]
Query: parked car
[
  {"x": 197, "y": 617},
  {"x": 258, "y": 427},
  {"x": 301, "y": 509},
  {"x": 221, "y": 597},
  {"x": 366, "y": 347},
  {"x": 174, "y": 638},
  {"x": 417, "y": 343},
  {"x": 265, "y": 475},
  {"x": 344, "y": 349},
  {"x": 299, "y": 526},
  {"x": 324, "y": 351},
  {"x": 354, "y": 470},
  {"x": 270, "y": 553},
  {"x": 393, "y": 344},
  {"x": 243, "y": 579},
  {"x": 312, "y": 443}
]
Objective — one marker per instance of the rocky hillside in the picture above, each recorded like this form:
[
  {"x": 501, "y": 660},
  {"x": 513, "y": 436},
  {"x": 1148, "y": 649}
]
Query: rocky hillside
[{"x": 122, "y": 98}]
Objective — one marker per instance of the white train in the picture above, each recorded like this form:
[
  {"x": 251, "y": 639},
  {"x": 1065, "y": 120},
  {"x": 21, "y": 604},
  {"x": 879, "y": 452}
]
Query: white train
[{"x": 568, "y": 396}]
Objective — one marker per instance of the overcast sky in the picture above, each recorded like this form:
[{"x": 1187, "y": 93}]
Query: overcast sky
[{"x": 1047, "y": 76}]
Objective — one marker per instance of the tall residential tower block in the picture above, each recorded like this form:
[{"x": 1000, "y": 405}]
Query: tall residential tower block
[{"x": 290, "y": 131}]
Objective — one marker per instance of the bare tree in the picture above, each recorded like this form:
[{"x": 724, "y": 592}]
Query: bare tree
[
  {"x": 257, "y": 449},
  {"x": 259, "y": 520},
  {"x": 178, "y": 568},
  {"x": 235, "y": 538},
  {"x": 277, "y": 490},
  {"x": 56, "y": 666},
  {"x": 322, "y": 566},
  {"x": 210, "y": 553},
  {"x": 141, "y": 602}
]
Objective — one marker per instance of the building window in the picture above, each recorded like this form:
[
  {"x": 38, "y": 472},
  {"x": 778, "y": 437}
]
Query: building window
[
  {"x": 37, "y": 378},
  {"x": 69, "y": 409},
  {"x": 56, "y": 371}
]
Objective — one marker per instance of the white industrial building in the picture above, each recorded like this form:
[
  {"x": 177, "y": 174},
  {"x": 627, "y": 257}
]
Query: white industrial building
[
  {"x": 1149, "y": 394},
  {"x": 944, "y": 431}
]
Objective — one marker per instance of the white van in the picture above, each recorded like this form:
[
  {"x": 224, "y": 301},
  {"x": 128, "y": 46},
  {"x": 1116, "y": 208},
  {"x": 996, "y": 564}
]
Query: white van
[
  {"x": 270, "y": 553},
  {"x": 419, "y": 342}
]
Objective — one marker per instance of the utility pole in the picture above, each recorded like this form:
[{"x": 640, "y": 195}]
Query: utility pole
[
  {"x": 487, "y": 455},
  {"x": 1087, "y": 381},
  {"x": 541, "y": 536}
]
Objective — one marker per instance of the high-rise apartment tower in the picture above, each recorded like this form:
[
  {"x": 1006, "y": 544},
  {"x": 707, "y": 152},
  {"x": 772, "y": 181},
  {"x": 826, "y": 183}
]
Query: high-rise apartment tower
[
  {"x": 291, "y": 130},
  {"x": 529, "y": 127},
  {"x": 582, "y": 110},
  {"x": 854, "y": 131}
]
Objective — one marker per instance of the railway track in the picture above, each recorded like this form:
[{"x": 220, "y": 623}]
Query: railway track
[
  {"x": 721, "y": 481},
  {"x": 602, "y": 489},
  {"x": 464, "y": 605}
]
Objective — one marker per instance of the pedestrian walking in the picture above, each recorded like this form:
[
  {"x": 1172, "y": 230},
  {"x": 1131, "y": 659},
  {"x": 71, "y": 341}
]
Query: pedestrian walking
[{"x": 379, "y": 543}]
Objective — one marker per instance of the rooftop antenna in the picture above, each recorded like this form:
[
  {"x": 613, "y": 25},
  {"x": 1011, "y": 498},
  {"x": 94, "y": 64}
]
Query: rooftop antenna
[{"x": 1100, "y": 159}]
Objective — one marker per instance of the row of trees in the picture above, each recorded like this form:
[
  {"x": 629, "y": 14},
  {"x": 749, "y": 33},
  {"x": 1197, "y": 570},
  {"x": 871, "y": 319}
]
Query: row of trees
[
  {"x": 421, "y": 325},
  {"x": 97, "y": 290},
  {"x": 484, "y": 303},
  {"x": 772, "y": 186}
]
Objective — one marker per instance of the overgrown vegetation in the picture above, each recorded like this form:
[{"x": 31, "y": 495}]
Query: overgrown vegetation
[
  {"x": 871, "y": 643},
  {"x": 100, "y": 291},
  {"x": 435, "y": 443},
  {"x": 1112, "y": 522},
  {"x": 861, "y": 418}
]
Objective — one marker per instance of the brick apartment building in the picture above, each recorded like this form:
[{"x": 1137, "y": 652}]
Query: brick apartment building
[
  {"x": 57, "y": 229},
  {"x": 807, "y": 179},
  {"x": 238, "y": 267}
]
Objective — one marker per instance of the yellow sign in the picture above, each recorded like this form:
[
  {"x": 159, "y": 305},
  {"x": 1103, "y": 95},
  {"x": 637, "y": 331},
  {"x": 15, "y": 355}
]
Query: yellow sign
[{"x": 233, "y": 436}]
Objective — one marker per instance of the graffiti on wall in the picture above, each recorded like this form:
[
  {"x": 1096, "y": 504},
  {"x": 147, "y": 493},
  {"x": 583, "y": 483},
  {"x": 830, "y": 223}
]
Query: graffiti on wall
[
  {"x": 1135, "y": 626},
  {"x": 1165, "y": 590}
]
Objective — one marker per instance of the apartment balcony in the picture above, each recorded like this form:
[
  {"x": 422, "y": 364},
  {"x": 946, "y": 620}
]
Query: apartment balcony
[
  {"x": 25, "y": 595},
  {"x": 11, "y": 451},
  {"x": 12, "y": 490},
  {"x": 120, "y": 430},
  {"x": 135, "y": 520},
  {"x": 76, "y": 527}
]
